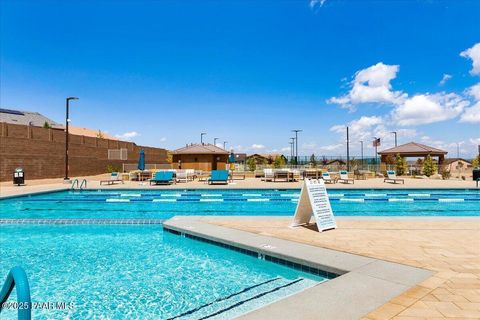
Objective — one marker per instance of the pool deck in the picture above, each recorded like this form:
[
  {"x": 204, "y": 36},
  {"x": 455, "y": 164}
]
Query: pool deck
[{"x": 448, "y": 246}]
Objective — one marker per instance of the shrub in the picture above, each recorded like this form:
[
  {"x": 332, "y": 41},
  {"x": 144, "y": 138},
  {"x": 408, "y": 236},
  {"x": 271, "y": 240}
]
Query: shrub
[
  {"x": 401, "y": 165},
  {"x": 112, "y": 168},
  {"x": 251, "y": 164},
  {"x": 46, "y": 125},
  {"x": 476, "y": 162},
  {"x": 429, "y": 166},
  {"x": 313, "y": 161},
  {"x": 445, "y": 173},
  {"x": 278, "y": 162}
]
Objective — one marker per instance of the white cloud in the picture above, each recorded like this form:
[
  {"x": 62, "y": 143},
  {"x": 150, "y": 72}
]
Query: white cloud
[
  {"x": 257, "y": 146},
  {"x": 474, "y": 91},
  {"x": 475, "y": 141},
  {"x": 315, "y": 3},
  {"x": 445, "y": 78},
  {"x": 128, "y": 135},
  {"x": 473, "y": 53},
  {"x": 472, "y": 114},
  {"x": 429, "y": 108},
  {"x": 163, "y": 139},
  {"x": 371, "y": 85},
  {"x": 332, "y": 147},
  {"x": 285, "y": 149}
]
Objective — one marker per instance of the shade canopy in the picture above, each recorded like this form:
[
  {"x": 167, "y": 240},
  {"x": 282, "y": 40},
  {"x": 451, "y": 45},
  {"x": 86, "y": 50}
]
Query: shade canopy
[{"x": 413, "y": 149}]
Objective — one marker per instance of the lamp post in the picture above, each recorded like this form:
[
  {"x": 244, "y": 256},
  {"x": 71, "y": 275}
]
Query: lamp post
[
  {"x": 201, "y": 137},
  {"x": 215, "y": 141},
  {"x": 296, "y": 144},
  {"x": 348, "y": 152},
  {"x": 225, "y": 145},
  {"x": 361, "y": 152},
  {"x": 395, "y": 133},
  {"x": 292, "y": 149},
  {"x": 67, "y": 120}
]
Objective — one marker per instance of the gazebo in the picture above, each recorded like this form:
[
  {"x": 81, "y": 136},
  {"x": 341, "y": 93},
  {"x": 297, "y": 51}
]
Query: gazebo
[
  {"x": 413, "y": 150},
  {"x": 200, "y": 157}
]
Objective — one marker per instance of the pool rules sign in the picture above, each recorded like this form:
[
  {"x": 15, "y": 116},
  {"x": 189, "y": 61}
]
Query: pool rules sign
[{"x": 314, "y": 200}]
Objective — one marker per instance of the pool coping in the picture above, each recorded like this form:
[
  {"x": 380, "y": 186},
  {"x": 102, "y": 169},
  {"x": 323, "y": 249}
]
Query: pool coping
[{"x": 366, "y": 283}]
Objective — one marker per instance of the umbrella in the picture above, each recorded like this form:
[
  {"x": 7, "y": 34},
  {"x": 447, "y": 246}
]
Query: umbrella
[
  {"x": 141, "y": 160},
  {"x": 231, "y": 158}
]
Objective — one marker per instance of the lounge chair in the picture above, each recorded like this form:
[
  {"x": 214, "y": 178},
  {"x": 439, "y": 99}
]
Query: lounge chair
[
  {"x": 268, "y": 175},
  {"x": 114, "y": 177},
  {"x": 392, "y": 177},
  {"x": 181, "y": 175},
  {"x": 327, "y": 178},
  {"x": 162, "y": 177},
  {"x": 344, "y": 177},
  {"x": 218, "y": 176}
]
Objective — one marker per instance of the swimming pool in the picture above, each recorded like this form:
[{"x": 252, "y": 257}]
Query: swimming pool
[
  {"x": 141, "y": 272},
  {"x": 163, "y": 204}
]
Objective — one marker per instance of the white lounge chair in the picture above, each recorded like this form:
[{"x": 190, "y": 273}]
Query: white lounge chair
[
  {"x": 114, "y": 177},
  {"x": 344, "y": 177},
  {"x": 327, "y": 178},
  {"x": 392, "y": 177},
  {"x": 268, "y": 175},
  {"x": 181, "y": 175}
]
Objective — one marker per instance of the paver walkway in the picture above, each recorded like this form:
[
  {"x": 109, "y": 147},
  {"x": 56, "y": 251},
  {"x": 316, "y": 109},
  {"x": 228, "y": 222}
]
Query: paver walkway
[{"x": 449, "y": 246}]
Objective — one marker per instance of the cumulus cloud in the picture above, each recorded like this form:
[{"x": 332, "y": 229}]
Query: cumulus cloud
[
  {"x": 445, "y": 78},
  {"x": 472, "y": 114},
  {"x": 473, "y": 53},
  {"x": 371, "y": 85},
  {"x": 163, "y": 139},
  {"x": 429, "y": 108},
  {"x": 257, "y": 146},
  {"x": 128, "y": 135},
  {"x": 332, "y": 147},
  {"x": 316, "y": 3}
]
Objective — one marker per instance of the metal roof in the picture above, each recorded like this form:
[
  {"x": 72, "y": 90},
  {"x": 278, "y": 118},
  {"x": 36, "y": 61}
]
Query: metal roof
[
  {"x": 198, "y": 148},
  {"x": 413, "y": 148}
]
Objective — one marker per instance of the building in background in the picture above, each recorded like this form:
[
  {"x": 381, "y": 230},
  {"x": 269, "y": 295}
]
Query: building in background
[{"x": 200, "y": 157}]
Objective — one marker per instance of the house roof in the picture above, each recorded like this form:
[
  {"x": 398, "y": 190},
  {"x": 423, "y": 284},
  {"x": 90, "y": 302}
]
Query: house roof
[
  {"x": 451, "y": 160},
  {"x": 197, "y": 148},
  {"x": 89, "y": 132},
  {"x": 26, "y": 118},
  {"x": 413, "y": 148},
  {"x": 266, "y": 155}
]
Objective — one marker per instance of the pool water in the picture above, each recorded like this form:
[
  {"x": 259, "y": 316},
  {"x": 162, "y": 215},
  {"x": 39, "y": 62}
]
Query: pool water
[
  {"x": 140, "y": 272},
  {"x": 163, "y": 204}
]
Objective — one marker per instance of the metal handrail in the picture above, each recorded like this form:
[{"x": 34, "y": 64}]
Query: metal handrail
[
  {"x": 18, "y": 278},
  {"x": 73, "y": 184},
  {"x": 84, "y": 181}
]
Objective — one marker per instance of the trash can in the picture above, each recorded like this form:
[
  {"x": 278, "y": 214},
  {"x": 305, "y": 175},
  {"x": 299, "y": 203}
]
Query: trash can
[{"x": 19, "y": 176}]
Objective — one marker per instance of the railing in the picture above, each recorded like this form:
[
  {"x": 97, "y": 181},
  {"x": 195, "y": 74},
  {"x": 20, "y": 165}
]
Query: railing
[
  {"x": 127, "y": 167},
  {"x": 18, "y": 278},
  {"x": 80, "y": 186}
]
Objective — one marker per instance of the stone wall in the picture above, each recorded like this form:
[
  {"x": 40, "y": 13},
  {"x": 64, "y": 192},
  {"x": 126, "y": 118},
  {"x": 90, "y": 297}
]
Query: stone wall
[{"x": 41, "y": 153}]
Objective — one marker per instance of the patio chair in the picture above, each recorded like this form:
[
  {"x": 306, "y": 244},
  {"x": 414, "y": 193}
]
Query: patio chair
[
  {"x": 114, "y": 177},
  {"x": 218, "y": 176},
  {"x": 344, "y": 177},
  {"x": 181, "y": 175},
  {"x": 162, "y": 177},
  {"x": 392, "y": 177},
  {"x": 360, "y": 174},
  {"x": 327, "y": 178},
  {"x": 268, "y": 175}
]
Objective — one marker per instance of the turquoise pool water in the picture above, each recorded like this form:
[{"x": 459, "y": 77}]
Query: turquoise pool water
[
  {"x": 163, "y": 204},
  {"x": 140, "y": 272}
]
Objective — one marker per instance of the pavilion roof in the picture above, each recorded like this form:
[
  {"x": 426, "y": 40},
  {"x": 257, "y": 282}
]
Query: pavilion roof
[{"x": 413, "y": 148}]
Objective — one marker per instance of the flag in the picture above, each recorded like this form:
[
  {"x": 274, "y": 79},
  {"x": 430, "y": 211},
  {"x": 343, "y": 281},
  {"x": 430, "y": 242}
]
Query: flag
[{"x": 376, "y": 142}]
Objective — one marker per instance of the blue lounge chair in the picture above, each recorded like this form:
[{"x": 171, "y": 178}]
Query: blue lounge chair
[
  {"x": 327, "y": 178},
  {"x": 162, "y": 177},
  {"x": 218, "y": 176}
]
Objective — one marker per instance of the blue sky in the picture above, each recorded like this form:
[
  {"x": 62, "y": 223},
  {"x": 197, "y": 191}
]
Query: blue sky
[{"x": 161, "y": 72}]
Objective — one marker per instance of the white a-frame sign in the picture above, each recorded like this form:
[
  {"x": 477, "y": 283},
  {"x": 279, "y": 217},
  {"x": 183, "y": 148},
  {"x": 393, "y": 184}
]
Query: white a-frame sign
[{"x": 314, "y": 200}]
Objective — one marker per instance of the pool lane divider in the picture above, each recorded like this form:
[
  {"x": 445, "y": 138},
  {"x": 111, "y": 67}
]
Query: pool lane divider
[{"x": 85, "y": 221}]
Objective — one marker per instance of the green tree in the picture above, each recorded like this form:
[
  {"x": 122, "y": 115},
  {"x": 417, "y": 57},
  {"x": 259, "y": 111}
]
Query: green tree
[
  {"x": 251, "y": 164},
  {"x": 46, "y": 125},
  {"x": 278, "y": 162},
  {"x": 313, "y": 161},
  {"x": 100, "y": 134},
  {"x": 429, "y": 166},
  {"x": 401, "y": 165},
  {"x": 476, "y": 162}
]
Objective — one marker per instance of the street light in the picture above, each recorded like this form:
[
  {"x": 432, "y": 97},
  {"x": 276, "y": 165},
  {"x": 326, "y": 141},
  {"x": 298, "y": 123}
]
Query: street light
[
  {"x": 225, "y": 145},
  {"x": 215, "y": 141},
  {"x": 292, "y": 149},
  {"x": 361, "y": 151},
  {"x": 201, "y": 137},
  {"x": 296, "y": 144},
  {"x": 395, "y": 133},
  {"x": 348, "y": 151},
  {"x": 67, "y": 120}
]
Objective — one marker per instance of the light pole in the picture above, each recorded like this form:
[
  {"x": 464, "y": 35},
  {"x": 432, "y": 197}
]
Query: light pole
[
  {"x": 201, "y": 136},
  {"x": 395, "y": 133},
  {"x": 361, "y": 152},
  {"x": 225, "y": 145},
  {"x": 375, "y": 144},
  {"x": 296, "y": 144},
  {"x": 458, "y": 150},
  {"x": 215, "y": 141},
  {"x": 67, "y": 120},
  {"x": 348, "y": 152},
  {"x": 292, "y": 149}
]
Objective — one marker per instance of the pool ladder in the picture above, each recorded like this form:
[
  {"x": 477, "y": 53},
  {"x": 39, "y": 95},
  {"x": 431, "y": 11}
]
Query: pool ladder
[
  {"x": 79, "y": 186},
  {"x": 18, "y": 278}
]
